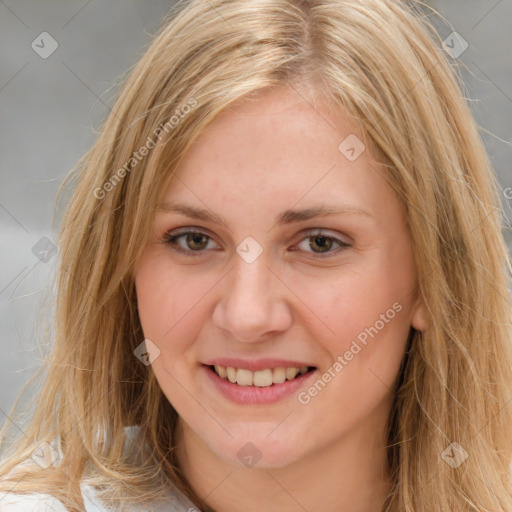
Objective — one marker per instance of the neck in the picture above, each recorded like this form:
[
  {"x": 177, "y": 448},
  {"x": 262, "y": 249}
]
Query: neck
[{"x": 349, "y": 476}]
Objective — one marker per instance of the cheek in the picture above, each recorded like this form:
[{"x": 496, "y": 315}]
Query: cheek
[
  {"x": 172, "y": 305},
  {"x": 168, "y": 309},
  {"x": 344, "y": 305},
  {"x": 363, "y": 316},
  {"x": 371, "y": 327}
]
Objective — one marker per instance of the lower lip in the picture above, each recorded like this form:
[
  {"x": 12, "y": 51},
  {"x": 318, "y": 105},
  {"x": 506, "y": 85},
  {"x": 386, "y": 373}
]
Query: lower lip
[{"x": 254, "y": 394}]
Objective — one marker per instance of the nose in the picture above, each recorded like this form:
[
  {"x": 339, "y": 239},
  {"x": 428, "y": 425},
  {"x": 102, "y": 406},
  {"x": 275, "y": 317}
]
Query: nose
[{"x": 253, "y": 304}]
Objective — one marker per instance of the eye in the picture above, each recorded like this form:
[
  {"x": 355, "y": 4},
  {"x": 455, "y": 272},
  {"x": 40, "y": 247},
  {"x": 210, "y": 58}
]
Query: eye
[
  {"x": 193, "y": 242},
  {"x": 321, "y": 243}
]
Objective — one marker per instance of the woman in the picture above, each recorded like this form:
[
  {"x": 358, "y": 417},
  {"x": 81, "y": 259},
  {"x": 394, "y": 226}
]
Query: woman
[{"x": 283, "y": 284}]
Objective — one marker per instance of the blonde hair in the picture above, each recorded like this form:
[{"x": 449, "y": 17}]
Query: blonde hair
[{"x": 380, "y": 61}]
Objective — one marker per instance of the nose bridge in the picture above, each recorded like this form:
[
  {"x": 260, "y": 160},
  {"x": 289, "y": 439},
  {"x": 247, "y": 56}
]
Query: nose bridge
[
  {"x": 251, "y": 303},
  {"x": 250, "y": 286}
]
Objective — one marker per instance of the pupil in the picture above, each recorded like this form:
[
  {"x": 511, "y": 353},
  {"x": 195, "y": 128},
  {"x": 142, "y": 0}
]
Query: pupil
[
  {"x": 325, "y": 246},
  {"x": 194, "y": 238}
]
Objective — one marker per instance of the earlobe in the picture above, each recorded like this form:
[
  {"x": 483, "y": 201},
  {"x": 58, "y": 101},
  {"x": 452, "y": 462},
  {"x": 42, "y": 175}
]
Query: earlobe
[{"x": 419, "y": 319}]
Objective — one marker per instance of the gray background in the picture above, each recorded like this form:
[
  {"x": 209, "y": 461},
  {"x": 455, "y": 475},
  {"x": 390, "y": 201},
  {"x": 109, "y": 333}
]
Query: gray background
[{"x": 51, "y": 106}]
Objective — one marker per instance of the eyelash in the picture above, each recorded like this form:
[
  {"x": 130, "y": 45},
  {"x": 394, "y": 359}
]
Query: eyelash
[{"x": 170, "y": 239}]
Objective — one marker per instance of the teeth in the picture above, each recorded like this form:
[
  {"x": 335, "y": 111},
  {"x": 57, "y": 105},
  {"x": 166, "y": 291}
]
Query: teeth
[
  {"x": 279, "y": 375},
  {"x": 291, "y": 373},
  {"x": 263, "y": 378},
  {"x": 244, "y": 377},
  {"x": 260, "y": 378},
  {"x": 231, "y": 374},
  {"x": 221, "y": 370}
]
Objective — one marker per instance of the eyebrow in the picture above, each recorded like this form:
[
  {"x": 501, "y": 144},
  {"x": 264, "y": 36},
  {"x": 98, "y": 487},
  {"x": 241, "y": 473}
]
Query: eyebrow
[{"x": 285, "y": 217}]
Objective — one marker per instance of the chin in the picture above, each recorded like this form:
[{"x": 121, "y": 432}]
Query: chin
[{"x": 258, "y": 449}]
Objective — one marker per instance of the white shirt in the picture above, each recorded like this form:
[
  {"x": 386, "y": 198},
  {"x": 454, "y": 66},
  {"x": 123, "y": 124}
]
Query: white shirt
[
  {"x": 46, "y": 503},
  {"x": 36, "y": 502}
]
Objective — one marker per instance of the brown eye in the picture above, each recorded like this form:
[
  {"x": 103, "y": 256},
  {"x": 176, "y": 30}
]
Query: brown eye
[
  {"x": 322, "y": 243},
  {"x": 196, "y": 241},
  {"x": 189, "y": 242}
]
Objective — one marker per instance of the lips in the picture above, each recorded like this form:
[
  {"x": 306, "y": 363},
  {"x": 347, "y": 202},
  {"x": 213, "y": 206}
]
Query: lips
[
  {"x": 255, "y": 386},
  {"x": 256, "y": 364},
  {"x": 260, "y": 374}
]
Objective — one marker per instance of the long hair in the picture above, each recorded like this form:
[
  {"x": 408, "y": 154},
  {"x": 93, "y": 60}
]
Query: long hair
[{"x": 379, "y": 61}]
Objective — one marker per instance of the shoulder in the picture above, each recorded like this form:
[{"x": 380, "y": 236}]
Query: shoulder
[
  {"x": 30, "y": 503},
  {"x": 46, "y": 503},
  {"x": 175, "y": 502},
  {"x": 37, "y": 502}
]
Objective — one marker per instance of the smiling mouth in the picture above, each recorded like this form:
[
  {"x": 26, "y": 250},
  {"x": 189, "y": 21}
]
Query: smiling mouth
[{"x": 261, "y": 378}]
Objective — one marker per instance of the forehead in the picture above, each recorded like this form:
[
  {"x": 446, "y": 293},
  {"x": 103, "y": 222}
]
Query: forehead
[{"x": 275, "y": 150}]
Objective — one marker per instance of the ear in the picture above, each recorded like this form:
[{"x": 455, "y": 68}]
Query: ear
[{"x": 419, "y": 318}]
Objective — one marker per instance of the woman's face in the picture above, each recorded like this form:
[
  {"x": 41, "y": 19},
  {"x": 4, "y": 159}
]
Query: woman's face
[{"x": 301, "y": 270}]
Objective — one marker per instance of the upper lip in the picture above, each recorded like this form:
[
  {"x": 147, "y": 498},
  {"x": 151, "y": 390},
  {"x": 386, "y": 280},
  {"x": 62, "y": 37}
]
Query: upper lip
[{"x": 256, "y": 364}]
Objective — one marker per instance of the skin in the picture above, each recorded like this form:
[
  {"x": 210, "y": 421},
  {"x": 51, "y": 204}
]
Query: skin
[{"x": 253, "y": 162}]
